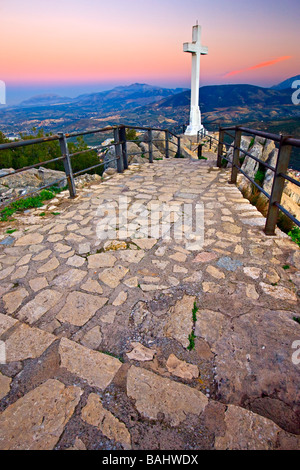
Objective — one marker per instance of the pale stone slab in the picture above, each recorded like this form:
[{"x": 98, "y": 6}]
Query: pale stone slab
[
  {"x": 179, "y": 257},
  {"x": 20, "y": 273},
  {"x": 61, "y": 248},
  {"x": 140, "y": 353},
  {"x": 254, "y": 273},
  {"x": 180, "y": 320},
  {"x": 181, "y": 369},
  {"x": 132, "y": 256},
  {"x": 38, "y": 283},
  {"x": 113, "y": 276},
  {"x": 214, "y": 272},
  {"x": 96, "y": 415},
  {"x": 76, "y": 261},
  {"x": 6, "y": 323},
  {"x": 145, "y": 243},
  {"x": 205, "y": 257},
  {"x": 69, "y": 278},
  {"x": 247, "y": 431},
  {"x": 24, "y": 260},
  {"x": 152, "y": 287},
  {"x": 92, "y": 339},
  {"x": 154, "y": 395},
  {"x": 52, "y": 264},
  {"x": 251, "y": 292},
  {"x": 30, "y": 239},
  {"x": 42, "y": 255},
  {"x": 132, "y": 282},
  {"x": 4, "y": 385},
  {"x": 279, "y": 292},
  {"x": 37, "y": 420},
  {"x": 92, "y": 286},
  {"x": 80, "y": 307},
  {"x": 120, "y": 299},
  {"x": 97, "y": 368},
  {"x": 14, "y": 299},
  {"x": 6, "y": 272},
  {"x": 26, "y": 342},
  {"x": 101, "y": 260},
  {"x": 36, "y": 308}
]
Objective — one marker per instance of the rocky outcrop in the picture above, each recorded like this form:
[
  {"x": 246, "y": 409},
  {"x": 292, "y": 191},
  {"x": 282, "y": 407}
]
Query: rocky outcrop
[{"x": 26, "y": 182}]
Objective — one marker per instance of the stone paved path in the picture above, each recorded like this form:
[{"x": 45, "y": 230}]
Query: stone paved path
[{"x": 97, "y": 335}]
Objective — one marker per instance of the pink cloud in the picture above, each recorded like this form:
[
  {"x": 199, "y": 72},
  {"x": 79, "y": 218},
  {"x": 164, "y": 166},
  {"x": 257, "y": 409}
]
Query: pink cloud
[{"x": 258, "y": 66}]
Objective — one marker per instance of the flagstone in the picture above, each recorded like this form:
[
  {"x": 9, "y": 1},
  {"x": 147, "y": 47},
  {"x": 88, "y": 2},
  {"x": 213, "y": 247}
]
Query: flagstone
[
  {"x": 37, "y": 420},
  {"x": 279, "y": 292},
  {"x": 43, "y": 255},
  {"x": 76, "y": 261},
  {"x": 92, "y": 286},
  {"x": 113, "y": 276},
  {"x": 96, "y": 415},
  {"x": 52, "y": 264},
  {"x": 92, "y": 339},
  {"x": 120, "y": 299},
  {"x": 69, "y": 279},
  {"x": 216, "y": 273},
  {"x": 154, "y": 395},
  {"x": 38, "y": 283},
  {"x": 80, "y": 307},
  {"x": 4, "y": 385},
  {"x": 140, "y": 353},
  {"x": 180, "y": 320},
  {"x": 181, "y": 369},
  {"x": 29, "y": 239},
  {"x": 41, "y": 304},
  {"x": 14, "y": 299},
  {"x": 101, "y": 260},
  {"x": 6, "y": 272},
  {"x": 96, "y": 368},
  {"x": 6, "y": 323},
  {"x": 26, "y": 342}
]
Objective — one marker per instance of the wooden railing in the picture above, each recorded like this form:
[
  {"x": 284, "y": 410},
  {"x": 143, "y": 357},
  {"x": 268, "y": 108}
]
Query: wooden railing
[
  {"x": 286, "y": 144},
  {"x": 119, "y": 142}
]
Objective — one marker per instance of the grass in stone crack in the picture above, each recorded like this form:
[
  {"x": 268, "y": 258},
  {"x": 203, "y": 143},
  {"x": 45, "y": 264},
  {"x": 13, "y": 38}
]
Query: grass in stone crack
[
  {"x": 297, "y": 319},
  {"x": 195, "y": 310},
  {"x": 29, "y": 202},
  {"x": 192, "y": 336}
]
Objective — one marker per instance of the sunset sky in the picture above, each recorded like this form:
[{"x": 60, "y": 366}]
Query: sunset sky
[{"x": 76, "y": 46}]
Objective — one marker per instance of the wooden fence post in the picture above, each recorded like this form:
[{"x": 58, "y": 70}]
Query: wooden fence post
[
  {"x": 281, "y": 168},
  {"x": 122, "y": 138},
  {"x": 220, "y": 147},
  {"x": 167, "y": 144},
  {"x": 236, "y": 156},
  {"x": 150, "y": 145},
  {"x": 67, "y": 164},
  {"x": 118, "y": 151}
]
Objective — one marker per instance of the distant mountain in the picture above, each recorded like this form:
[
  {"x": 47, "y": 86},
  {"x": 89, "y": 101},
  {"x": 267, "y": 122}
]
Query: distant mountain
[
  {"x": 45, "y": 100},
  {"x": 225, "y": 96},
  {"x": 286, "y": 84},
  {"x": 141, "y": 104},
  {"x": 126, "y": 97}
]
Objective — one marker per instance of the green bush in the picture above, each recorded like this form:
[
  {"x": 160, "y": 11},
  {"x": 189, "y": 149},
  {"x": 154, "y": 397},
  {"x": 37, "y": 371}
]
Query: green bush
[{"x": 295, "y": 235}]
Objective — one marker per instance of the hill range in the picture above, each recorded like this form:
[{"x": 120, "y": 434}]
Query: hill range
[{"x": 141, "y": 104}]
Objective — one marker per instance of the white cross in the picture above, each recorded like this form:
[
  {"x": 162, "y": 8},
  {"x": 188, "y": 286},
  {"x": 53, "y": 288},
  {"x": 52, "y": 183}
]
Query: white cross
[{"x": 196, "y": 49}]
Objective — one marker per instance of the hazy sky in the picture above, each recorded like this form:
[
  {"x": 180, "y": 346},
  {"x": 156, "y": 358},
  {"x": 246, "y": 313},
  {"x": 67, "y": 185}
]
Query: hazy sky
[{"x": 96, "y": 43}]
